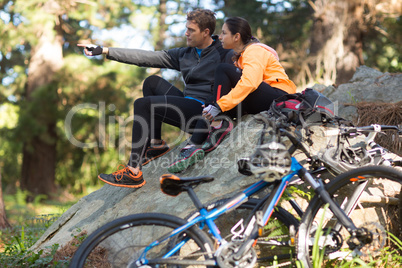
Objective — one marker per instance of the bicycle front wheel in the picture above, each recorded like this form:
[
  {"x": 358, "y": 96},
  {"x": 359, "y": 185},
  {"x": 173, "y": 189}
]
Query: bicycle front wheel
[
  {"x": 369, "y": 196},
  {"x": 121, "y": 242}
]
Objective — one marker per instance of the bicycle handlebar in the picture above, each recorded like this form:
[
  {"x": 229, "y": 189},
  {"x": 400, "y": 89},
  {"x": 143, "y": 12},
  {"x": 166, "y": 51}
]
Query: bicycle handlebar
[{"x": 372, "y": 128}]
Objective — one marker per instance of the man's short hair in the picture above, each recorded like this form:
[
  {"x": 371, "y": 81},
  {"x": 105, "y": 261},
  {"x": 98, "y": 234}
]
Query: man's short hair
[{"x": 205, "y": 19}]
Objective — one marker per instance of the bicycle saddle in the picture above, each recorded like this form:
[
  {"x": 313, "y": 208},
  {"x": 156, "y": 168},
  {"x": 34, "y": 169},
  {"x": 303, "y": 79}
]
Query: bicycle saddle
[{"x": 174, "y": 185}]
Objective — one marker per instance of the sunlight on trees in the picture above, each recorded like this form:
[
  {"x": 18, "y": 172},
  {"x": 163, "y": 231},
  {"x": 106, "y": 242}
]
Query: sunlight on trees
[{"x": 44, "y": 75}]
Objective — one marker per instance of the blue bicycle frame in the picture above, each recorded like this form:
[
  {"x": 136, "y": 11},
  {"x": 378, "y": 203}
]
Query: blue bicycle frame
[{"x": 208, "y": 218}]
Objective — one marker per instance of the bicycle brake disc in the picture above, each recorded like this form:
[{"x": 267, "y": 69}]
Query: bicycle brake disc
[
  {"x": 378, "y": 240},
  {"x": 225, "y": 256}
]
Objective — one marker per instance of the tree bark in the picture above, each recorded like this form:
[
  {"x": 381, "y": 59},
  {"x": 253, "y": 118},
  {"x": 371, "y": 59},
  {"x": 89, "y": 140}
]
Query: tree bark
[
  {"x": 39, "y": 153},
  {"x": 162, "y": 10},
  {"x": 3, "y": 217},
  {"x": 336, "y": 40}
]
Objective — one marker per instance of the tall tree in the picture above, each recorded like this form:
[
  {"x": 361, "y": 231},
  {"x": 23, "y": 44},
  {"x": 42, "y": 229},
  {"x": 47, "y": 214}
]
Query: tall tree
[
  {"x": 336, "y": 46},
  {"x": 340, "y": 38},
  {"x": 3, "y": 218},
  {"x": 39, "y": 153},
  {"x": 162, "y": 26}
]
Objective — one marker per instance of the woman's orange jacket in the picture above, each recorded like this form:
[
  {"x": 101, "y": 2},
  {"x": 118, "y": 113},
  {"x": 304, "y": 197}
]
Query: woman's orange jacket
[{"x": 259, "y": 63}]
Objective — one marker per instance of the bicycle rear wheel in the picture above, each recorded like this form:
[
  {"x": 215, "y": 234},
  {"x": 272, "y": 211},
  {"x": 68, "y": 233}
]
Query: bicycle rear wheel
[
  {"x": 121, "y": 242},
  {"x": 369, "y": 195}
]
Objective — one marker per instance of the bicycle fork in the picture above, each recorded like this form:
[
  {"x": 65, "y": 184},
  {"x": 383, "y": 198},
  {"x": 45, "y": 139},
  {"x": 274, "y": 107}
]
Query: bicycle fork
[{"x": 359, "y": 236}]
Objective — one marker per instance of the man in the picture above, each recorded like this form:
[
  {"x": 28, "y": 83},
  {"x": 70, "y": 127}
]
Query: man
[{"x": 162, "y": 102}]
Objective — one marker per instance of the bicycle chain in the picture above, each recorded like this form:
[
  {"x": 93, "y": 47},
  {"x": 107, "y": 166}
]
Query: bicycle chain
[
  {"x": 273, "y": 237},
  {"x": 213, "y": 252},
  {"x": 279, "y": 265}
]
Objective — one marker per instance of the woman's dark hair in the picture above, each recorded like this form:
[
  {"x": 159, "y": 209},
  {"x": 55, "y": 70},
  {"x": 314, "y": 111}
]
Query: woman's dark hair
[{"x": 241, "y": 26}]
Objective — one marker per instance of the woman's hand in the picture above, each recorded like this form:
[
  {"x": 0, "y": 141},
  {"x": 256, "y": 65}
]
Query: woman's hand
[{"x": 210, "y": 112}]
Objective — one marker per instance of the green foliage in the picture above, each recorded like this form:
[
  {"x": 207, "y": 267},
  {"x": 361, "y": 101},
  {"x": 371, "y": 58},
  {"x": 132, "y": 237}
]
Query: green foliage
[
  {"x": 276, "y": 227},
  {"x": 110, "y": 87},
  {"x": 382, "y": 47},
  {"x": 18, "y": 240},
  {"x": 296, "y": 191},
  {"x": 318, "y": 253},
  {"x": 10, "y": 157},
  {"x": 273, "y": 22}
]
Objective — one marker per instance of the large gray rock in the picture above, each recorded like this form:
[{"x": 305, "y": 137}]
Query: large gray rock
[
  {"x": 109, "y": 202},
  {"x": 367, "y": 85}
]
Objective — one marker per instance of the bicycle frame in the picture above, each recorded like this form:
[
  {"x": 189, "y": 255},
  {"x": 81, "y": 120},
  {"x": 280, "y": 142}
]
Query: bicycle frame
[{"x": 209, "y": 217}]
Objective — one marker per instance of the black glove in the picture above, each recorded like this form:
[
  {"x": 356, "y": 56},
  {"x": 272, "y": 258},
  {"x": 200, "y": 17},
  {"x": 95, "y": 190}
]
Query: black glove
[{"x": 96, "y": 50}]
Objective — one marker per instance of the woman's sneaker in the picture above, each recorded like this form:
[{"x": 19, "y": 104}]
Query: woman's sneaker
[
  {"x": 154, "y": 151},
  {"x": 187, "y": 157},
  {"x": 124, "y": 177},
  {"x": 216, "y": 136}
]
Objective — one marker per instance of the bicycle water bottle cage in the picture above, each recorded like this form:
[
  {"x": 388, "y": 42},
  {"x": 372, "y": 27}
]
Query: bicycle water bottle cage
[{"x": 270, "y": 161}]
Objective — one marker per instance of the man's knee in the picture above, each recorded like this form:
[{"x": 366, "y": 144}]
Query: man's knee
[
  {"x": 142, "y": 104},
  {"x": 151, "y": 83}
]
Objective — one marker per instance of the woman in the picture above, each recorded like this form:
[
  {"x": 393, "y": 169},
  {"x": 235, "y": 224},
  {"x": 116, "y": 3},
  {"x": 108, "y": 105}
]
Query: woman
[{"x": 249, "y": 86}]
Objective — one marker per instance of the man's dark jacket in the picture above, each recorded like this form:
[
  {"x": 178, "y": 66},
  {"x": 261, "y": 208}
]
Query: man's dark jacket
[{"x": 198, "y": 72}]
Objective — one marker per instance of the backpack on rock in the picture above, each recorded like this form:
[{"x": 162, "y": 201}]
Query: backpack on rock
[{"x": 309, "y": 106}]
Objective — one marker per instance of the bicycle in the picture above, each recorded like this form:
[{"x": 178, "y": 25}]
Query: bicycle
[
  {"x": 174, "y": 246},
  {"x": 375, "y": 156}
]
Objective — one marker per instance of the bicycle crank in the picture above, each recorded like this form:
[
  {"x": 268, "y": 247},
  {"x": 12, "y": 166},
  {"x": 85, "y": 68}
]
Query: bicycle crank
[{"x": 225, "y": 256}]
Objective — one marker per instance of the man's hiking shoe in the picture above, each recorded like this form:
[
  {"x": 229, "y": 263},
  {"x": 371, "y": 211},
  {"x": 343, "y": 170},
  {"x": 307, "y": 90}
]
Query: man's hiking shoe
[
  {"x": 216, "y": 136},
  {"x": 154, "y": 151},
  {"x": 124, "y": 177},
  {"x": 186, "y": 158}
]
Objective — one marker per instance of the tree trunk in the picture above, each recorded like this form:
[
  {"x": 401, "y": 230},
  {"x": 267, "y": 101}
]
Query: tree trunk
[
  {"x": 39, "y": 165},
  {"x": 162, "y": 11},
  {"x": 3, "y": 217},
  {"x": 39, "y": 153},
  {"x": 336, "y": 41}
]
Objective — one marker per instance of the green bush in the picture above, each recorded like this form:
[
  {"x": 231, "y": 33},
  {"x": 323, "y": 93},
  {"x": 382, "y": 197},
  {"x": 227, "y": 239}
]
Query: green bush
[{"x": 18, "y": 240}]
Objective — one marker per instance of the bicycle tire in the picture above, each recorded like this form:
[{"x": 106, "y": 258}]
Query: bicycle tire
[
  {"x": 113, "y": 244},
  {"x": 279, "y": 224},
  {"x": 339, "y": 188}
]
